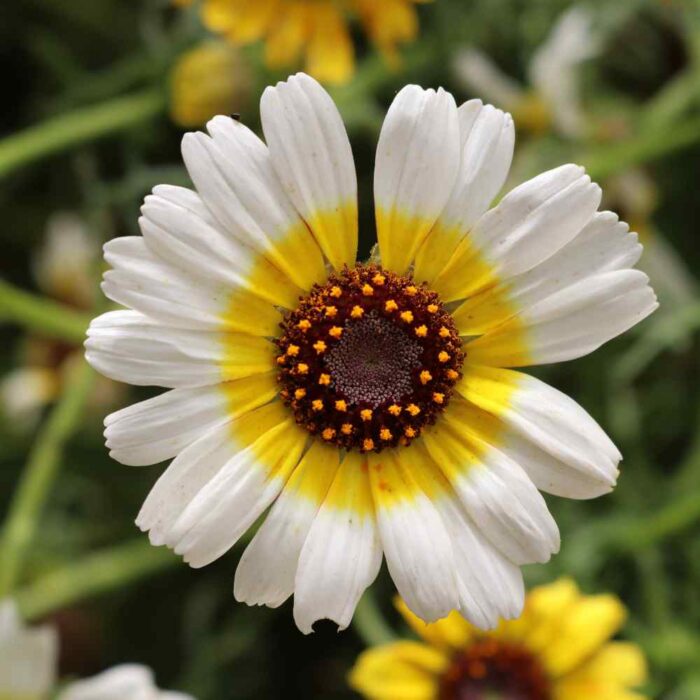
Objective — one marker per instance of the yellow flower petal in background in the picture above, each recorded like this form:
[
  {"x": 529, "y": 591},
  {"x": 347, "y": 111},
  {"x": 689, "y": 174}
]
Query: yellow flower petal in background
[
  {"x": 330, "y": 56},
  {"x": 401, "y": 671},
  {"x": 212, "y": 78},
  {"x": 450, "y": 633}
]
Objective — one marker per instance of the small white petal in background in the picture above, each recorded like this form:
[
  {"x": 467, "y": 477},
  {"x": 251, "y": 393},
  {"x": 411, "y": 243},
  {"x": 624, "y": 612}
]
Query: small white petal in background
[
  {"x": 28, "y": 656},
  {"x": 64, "y": 266},
  {"x": 552, "y": 96},
  {"x": 125, "y": 682}
]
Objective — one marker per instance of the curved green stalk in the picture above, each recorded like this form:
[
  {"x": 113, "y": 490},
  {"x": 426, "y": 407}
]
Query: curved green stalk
[
  {"x": 39, "y": 475},
  {"x": 369, "y": 623},
  {"x": 41, "y": 314},
  {"x": 82, "y": 125},
  {"x": 97, "y": 573}
]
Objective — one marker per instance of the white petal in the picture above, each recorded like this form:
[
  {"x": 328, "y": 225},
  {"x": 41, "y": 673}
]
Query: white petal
[
  {"x": 417, "y": 547},
  {"x": 124, "y": 682},
  {"x": 236, "y": 495},
  {"x": 312, "y": 157},
  {"x": 266, "y": 572},
  {"x": 234, "y": 176},
  {"x": 418, "y": 157},
  {"x": 480, "y": 75},
  {"x": 157, "y": 429},
  {"x": 488, "y": 138},
  {"x": 179, "y": 228},
  {"x": 571, "y": 323},
  {"x": 529, "y": 224},
  {"x": 496, "y": 493},
  {"x": 604, "y": 244},
  {"x": 342, "y": 554},
  {"x": 130, "y": 347},
  {"x": 28, "y": 655},
  {"x": 146, "y": 283},
  {"x": 565, "y": 438},
  {"x": 490, "y": 585}
]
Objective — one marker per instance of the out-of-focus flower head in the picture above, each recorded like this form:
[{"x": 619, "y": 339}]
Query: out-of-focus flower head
[
  {"x": 64, "y": 267},
  {"x": 125, "y": 682},
  {"x": 559, "y": 648},
  {"x": 28, "y": 656},
  {"x": 212, "y": 78},
  {"x": 551, "y": 101},
  {"x": 317, "y": 30}
]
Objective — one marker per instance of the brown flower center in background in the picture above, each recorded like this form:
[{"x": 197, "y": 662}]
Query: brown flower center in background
[
  {"x": 368, "y": 359},
  {"x": 492, "y": 670}
]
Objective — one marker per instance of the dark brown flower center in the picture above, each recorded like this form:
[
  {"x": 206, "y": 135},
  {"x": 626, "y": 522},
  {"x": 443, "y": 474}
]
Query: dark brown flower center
[
  {"x": 492, "y": 670},
  {"x": 369, "y": 358}
]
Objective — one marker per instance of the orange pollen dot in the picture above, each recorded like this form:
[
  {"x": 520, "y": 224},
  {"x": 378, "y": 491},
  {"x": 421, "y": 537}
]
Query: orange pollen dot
[
  {"x": 438, "y": 397},
  {"x": 368, "y": 444},
  {"x": 280, "y": 359},
  {"x": 411, "y": 290},
  {"x": 366, "y": 414},
  {"x": 341, "y": 405},
  {"x": 367, "y": 290},
  {"x": 444, "y": 332},
  {"x": 410, "y": 432},
  {"x": 300, "y": 393},
  {"x": 346, "y": 428},
  {"x": 407, "y": 316},
  {"x": 293, "y": 350},
  {"x": 335, "y": 332},
  {"x": 394, "y": 409},
  {"x": 303, "y": 368},
  {"x": 319, "y": 346},
  {"x": 379, "y": 279},
  {"x": 421, "y": 331},
  {"x": 477, "y": 669},
  {"x": 413, "y": 409},
  {"x": 452, "y": 374},
  {"x": 331, "y": 311},
  {"x": 425, "y": 376},
  {"x": 385, "y": 434},
  {"x": 328, "y": 434},
  {"x": 433, "y": 308},
  {"x": 317, "y": 405},
  {"x": 336, "y": 292},
  {"x": 391, "y": 305},
  {"x": 304, "y": 324},
  {"x": 357, "y": 312},
  {"x": 443, "y": 356},
  {"x": 324, "y": 379}
]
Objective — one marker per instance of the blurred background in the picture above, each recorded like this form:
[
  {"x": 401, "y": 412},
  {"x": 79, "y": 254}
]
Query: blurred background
[{"x": 97, "y": 96}]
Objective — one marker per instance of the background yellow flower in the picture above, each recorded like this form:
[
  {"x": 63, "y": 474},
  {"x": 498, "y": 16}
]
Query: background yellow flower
[{"x": 560, "y": 649}]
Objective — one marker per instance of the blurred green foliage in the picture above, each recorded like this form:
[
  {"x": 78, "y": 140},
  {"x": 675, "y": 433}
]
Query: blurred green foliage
[{"x": 94, "y": 75}]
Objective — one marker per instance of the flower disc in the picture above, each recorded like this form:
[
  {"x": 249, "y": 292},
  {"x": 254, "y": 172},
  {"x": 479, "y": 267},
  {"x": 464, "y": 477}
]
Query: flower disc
[{"x": 369, "y": 358}]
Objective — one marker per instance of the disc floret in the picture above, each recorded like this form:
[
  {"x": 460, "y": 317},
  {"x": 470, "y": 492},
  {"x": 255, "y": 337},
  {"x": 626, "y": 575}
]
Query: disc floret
[{"x": 368, "y": 359}]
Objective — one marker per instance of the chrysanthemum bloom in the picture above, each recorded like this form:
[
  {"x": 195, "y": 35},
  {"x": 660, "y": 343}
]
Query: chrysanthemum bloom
[
  {"x": 318, "y": 30},
  {"x": 552, "y": 100},
  {"x": 125, "y": 682},
  {"x": 212, "y": 78},
  {"x": 560, "y": 649},
  {"x": 367, "y": 404},
  {"x": 28, "y": 657}
]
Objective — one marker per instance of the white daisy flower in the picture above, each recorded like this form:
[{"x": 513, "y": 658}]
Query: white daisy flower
[
  {"x": 28, "y": 656},
  {"x": 368, "y": 406},
  {"x": 125, "y": 682},
  {"x": 552, "y": 98}
]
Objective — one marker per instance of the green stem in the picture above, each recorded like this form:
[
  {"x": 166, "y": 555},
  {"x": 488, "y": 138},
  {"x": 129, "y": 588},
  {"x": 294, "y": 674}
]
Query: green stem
[
  {"x": 97, "y": 573},
  {"x": 644, "y": 147},
  {"x": 369, "y": 623},
  {"x": 79, "y": 126},
  {"x": 41, "y": 314},
  {"x": 39, "y": 475}
]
